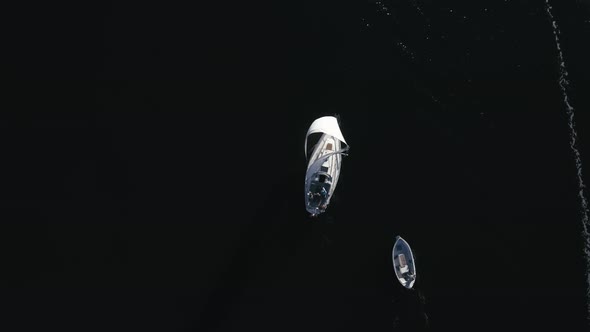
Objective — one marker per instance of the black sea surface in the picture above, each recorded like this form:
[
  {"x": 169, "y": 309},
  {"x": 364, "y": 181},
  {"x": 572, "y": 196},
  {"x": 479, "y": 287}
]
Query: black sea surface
[{"x": 163, "y": 189}]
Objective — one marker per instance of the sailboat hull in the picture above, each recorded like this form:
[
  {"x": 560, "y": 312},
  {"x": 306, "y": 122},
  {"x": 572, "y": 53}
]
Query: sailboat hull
[{"x": 325, "y": 160}]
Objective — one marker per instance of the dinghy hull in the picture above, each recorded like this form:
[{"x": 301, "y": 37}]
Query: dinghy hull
[{"x": 403, "y": 263}]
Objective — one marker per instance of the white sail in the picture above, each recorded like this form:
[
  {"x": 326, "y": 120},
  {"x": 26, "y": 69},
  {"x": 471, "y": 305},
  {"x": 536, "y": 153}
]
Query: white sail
[
  {"x": 323, "y": 169},
  {"x": 327, "y": 125}
]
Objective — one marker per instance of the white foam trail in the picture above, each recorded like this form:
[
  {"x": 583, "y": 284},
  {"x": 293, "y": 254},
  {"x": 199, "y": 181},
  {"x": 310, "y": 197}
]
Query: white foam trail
[
  {"x": 407, "y": 51},
  {"x": 383, "y": 8},
  {"x": 563, "y": 83},
  {"x": 417, "y": 6}
]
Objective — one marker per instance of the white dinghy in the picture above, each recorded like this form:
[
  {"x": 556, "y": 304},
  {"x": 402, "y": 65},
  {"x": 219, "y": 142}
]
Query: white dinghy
[
  {"x": 403, "y": 262},
  {"x": 325, "y": 160}
]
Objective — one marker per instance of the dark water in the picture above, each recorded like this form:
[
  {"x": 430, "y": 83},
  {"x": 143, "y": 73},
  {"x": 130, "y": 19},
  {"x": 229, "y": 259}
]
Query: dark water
[{"x": 178, "y": 205}]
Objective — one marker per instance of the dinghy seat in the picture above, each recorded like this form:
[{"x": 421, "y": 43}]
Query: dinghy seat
[{"x": 403, "y": 266}]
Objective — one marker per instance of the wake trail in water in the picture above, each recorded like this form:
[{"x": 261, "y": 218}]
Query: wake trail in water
[
  {"x": 417, "y": 6},
  {"x": 563, "y": 84}
]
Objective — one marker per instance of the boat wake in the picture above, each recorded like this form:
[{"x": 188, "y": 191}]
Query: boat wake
[
  {"x": 409, "y": 312},
  {"x": 563, "y": 84}
]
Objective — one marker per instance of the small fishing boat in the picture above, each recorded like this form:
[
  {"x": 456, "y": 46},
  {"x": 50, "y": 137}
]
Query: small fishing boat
[
  {"x": 403, "y": 262},
  {"x": 325, "y": 161}
]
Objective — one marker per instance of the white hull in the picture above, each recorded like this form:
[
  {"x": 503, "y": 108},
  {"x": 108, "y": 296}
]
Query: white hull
[
  {"x": 403, "y": 263},
  {"x": 323, "y": 169}
]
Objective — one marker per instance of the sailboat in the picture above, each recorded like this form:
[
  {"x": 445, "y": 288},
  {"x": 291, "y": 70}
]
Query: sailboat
[
  {"x": 325, "y": 161},
  {"x": 403, "y": 262}
]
